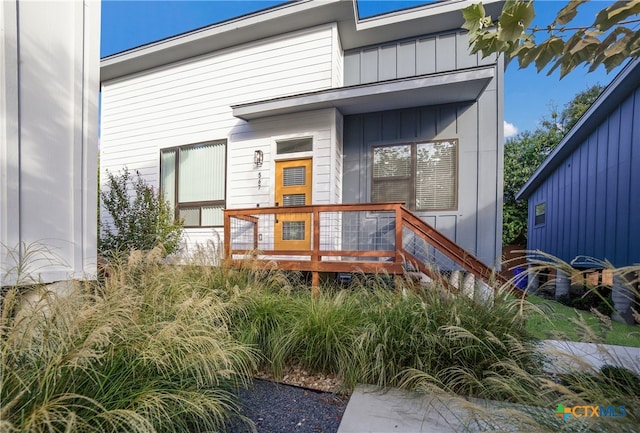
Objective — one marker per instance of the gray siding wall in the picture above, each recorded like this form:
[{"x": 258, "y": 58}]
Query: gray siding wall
[
  {"x": 418, "y": 56},
  {"x": 477, "y": 223},
  {"x": 593, "y": 198}
]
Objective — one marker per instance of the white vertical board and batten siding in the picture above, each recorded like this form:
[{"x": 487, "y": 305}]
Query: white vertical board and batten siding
[
  {"x": 49, "y": 72},
  {"x": 190, "y": 102}
]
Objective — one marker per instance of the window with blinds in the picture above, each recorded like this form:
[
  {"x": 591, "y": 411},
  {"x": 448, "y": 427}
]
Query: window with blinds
[
  {"x": 437, "y": 175},
  {"x": 391, "y": 174},
  {"x": 192, "y": 180},
  {"x": 423, "y": 175}
]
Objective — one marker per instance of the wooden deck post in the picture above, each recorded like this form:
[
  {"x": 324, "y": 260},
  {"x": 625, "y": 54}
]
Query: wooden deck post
[
  {"x": 315, "y": 254},
  {"x": 227, "y": 235},
  {"x": 398, "y": 246}
]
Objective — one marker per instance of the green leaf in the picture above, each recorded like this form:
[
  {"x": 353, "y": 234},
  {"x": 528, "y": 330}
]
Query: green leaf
[
  {"x": 614, "y": 61},
  {"x": 549, "y": 49},
  {"x": 568, "y": 12},
  {"x": 514, "y": 20},
  {"x": 527, "y": 56},
  {"x": 473, "y": 17},
  {"x": 492, "y": 45},
  {"x": 615, "y": 13}
]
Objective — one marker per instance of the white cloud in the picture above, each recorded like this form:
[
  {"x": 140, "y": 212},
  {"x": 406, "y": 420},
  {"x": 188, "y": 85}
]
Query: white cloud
[{"x": 509, "y": 129}]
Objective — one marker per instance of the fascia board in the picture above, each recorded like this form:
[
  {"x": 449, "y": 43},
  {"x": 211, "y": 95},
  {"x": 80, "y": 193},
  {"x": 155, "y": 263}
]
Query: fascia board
[{"x": 433, "y": 89}]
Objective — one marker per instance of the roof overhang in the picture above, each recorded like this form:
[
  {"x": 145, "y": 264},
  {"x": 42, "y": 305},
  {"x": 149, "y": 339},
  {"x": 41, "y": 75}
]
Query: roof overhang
[
  {"x": 434, "y": 89},
  {"x": 289, "y": 17},
  {"x": 622, "y": 86}
]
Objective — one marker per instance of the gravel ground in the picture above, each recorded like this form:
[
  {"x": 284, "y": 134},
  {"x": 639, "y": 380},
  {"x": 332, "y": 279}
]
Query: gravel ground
[{"x": 279, "y": 408}]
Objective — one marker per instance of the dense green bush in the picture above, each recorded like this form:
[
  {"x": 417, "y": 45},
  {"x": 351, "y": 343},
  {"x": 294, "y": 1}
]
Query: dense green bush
[{"x": 139, "y": 217}]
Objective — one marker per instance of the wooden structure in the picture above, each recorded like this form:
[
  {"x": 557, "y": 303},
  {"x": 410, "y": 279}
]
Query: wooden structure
[{"x": 409, "y": 242}]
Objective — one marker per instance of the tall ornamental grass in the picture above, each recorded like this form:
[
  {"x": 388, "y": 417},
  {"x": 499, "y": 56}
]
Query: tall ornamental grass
[
  {"x": 148, "y": 351},
  {"x": 375, "y": 335}
]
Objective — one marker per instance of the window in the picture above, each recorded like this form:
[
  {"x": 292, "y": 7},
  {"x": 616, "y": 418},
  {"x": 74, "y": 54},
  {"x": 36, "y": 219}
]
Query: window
[
  {"x": 541, "y": 210},
  {"x": 294, "y": 145},
  {"x": 423, "y": 175},
  {"x": 192, "y": 179}
]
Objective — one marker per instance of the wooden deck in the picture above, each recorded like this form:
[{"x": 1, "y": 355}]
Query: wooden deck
[{"x": 367, "y": 238}]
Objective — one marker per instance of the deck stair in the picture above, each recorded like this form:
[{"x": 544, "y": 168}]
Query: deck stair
[{"x": 358, "y": 238}]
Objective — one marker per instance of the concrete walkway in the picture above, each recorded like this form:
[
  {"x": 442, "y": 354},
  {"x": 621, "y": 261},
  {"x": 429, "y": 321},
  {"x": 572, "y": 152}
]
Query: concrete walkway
[
  {"x": 569, "y": 355},
  {"x": 371, "y": 410}
]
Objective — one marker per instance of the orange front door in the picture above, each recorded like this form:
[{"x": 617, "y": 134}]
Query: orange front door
[{"x": 293, "y": 188}]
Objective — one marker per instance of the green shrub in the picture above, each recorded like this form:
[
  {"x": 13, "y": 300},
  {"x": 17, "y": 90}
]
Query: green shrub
[
  {"x": 141, "y": 220},
  {"x": 147, "y": 351}
]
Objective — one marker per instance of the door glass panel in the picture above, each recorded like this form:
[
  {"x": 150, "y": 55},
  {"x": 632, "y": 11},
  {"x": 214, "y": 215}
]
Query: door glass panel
[
  {"x": 293, "y": 176},
  {"x": 293, "y": 199},
  {"x": 293, "y": 231}
]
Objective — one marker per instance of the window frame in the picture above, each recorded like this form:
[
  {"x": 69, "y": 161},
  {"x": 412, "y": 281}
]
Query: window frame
[
  {"x": 193, "y": 204},
  {"x": 543, "y": 214},
  {"x": 412, "y": 205}
]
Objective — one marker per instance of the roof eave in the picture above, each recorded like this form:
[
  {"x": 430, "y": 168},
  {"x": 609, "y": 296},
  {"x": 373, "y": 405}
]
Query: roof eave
[
  {"x": 609, "y": 99},
  {"x": 289, "y": 17},
  {"x": 433, "y": 89}
]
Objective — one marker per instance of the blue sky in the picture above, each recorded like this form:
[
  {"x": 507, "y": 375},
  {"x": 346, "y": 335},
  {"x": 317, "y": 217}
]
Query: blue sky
[{"x": 528, "y": 95}]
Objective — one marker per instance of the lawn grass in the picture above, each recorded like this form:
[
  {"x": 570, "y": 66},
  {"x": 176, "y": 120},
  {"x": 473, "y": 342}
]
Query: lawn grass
[{"x": 557, "y": 321}]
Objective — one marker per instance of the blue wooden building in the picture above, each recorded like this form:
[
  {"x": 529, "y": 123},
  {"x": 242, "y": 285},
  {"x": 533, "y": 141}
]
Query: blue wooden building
[{"x": 584, "y": 200}]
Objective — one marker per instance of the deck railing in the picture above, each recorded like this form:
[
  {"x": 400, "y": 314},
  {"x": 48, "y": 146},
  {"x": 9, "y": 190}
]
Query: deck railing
[{"x": 347, "y": 238}]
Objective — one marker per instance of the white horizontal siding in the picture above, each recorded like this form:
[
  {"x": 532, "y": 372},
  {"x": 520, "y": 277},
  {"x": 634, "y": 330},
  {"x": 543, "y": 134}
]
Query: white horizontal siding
[
  {"x": 189, "y": 102},
  {"x": 242, "y": 184}
]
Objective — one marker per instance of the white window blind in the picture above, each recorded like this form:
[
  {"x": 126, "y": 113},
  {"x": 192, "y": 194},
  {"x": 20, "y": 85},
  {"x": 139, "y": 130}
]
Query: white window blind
[
  {"x": 436, "y": 175},
  {"x": 423, "y": 175},
  {"x": 168, "y": 181},
  {"x": 294, "y": 176},
  {"x": 392, "y": 161},
  {"x": 200, "y": 193},
  {"x": 391, "y": 174},
  {"x": 294, "y": 199},
  {"x": 201, "y": 173}
]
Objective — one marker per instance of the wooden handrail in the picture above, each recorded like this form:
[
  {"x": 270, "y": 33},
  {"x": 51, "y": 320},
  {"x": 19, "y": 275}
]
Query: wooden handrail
[
  {"x": 455, "y": 252},
  {"x": 403, "y": 217},
  {"x": 344, "y": 207}
]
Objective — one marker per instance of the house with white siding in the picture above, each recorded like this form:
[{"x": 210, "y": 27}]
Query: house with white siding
[
  {"x": 308, "y": 104},
  {"x": 49, "y": 85}
]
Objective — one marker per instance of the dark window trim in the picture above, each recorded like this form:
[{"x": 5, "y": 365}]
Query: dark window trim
[
  {"x": 414, "y": 166},
  {"x": 194, "y": 204}
]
